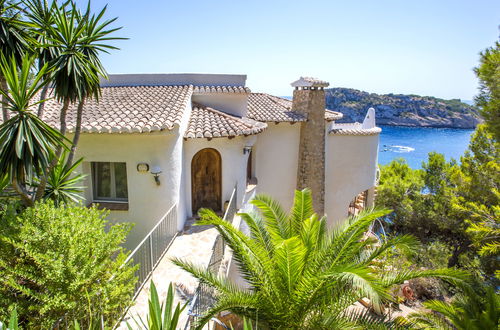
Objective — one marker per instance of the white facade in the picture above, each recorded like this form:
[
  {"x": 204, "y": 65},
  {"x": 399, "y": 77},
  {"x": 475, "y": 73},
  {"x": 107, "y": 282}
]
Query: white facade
[
  {"x": 351, "y": 160},
  {"x": 276, "y": 159}
]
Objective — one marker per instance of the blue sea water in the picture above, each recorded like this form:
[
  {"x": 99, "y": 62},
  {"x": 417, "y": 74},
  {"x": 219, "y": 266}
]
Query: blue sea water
[{"x": 414, "y": 143}]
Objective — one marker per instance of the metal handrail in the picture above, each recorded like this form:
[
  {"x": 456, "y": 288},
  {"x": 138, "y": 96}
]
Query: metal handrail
[
  {"x": 232, "y": 200},
  {"x": 218, "y": 252},
  {"x": 134, "y": 251}
]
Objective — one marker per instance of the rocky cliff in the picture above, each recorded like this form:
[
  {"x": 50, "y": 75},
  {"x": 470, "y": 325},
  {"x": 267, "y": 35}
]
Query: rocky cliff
[{"x": 402, "y": 110}]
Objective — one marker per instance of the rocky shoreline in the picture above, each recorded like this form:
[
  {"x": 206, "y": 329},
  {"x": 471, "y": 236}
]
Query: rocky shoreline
[{"x": 402, "y": 110}]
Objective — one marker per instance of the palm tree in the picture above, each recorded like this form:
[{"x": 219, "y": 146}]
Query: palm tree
[
  {"x": 92, "y": 44},
  {"x": 76, "y": 40},
  {"x": 469, "y": 310},
  {"x": 301, "y": 275},
  {"x": 63, "y": 185},
  {"x": 26, "y": 142},
  {"x": 41, "y": 17},
  {"x": 13, "y": 40}
]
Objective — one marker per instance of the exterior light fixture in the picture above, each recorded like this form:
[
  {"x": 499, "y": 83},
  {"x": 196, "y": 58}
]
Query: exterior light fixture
[
  {"x": 156, "y": 171},
  {"x": 247, "y": 150},
  {"x": 142, "y": 167}
]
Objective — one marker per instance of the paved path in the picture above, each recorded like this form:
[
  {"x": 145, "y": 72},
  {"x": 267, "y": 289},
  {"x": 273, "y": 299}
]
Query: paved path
[{"x": 193, "y": 244}]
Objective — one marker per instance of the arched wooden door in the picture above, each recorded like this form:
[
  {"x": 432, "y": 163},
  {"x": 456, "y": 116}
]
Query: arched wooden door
[{"x": 206, "y": 180}]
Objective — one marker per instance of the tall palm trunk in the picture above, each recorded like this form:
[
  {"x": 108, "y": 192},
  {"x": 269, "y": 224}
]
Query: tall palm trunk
[
  {"x": 43, "y": 96},
  {"x": 78, "y": 129},
  {"x": 43, "y": 180},
  {"x": 4, "y": 87}
]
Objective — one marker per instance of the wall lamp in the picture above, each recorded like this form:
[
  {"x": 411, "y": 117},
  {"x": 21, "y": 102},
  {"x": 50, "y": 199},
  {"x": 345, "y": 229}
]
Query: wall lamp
[
  {"x": 247, "y": 150},
  {"x": 156, "y": 171}
]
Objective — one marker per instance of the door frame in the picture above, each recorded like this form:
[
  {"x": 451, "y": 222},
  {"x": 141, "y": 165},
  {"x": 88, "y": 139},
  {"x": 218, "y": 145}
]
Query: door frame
[{"x": 219, "y": 160}]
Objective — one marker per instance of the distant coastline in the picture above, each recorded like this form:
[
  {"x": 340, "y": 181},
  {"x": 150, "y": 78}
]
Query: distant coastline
[{"x": 403, "y": 110}]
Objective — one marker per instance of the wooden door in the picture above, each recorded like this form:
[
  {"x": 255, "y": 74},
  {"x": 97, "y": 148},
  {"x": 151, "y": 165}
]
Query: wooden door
[{"x": 206, "y": 180}]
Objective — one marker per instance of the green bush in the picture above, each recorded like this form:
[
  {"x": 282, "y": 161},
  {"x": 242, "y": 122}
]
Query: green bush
[{"x": 62, "y": 262}]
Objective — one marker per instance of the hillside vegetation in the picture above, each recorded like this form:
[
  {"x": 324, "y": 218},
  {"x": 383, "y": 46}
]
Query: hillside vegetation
[{"x": 402, "y": 110}]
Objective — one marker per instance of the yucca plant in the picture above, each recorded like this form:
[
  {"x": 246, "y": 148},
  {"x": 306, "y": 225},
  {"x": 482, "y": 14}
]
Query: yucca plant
[
  {"x": 160, "y": 317},
  {"x": 75, "y": 39},
  {"x": 470, "y": 310},
  {"x": 26, "y": 142},
  {"x": 300, "y": 274},
  {"x": 63, "y": 185},
  {"x": 13, "y": 40}
]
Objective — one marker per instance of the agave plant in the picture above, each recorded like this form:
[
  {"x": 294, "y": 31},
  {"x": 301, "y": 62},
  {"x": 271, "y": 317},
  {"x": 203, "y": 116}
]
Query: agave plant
[
  {"x": 160, "y": 317},
  {"x": 300, "y": 274},
  {"x": 469, "y": 310}
]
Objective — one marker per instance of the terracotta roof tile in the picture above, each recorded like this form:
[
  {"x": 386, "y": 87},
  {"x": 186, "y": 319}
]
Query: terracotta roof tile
[
  {"x": 209, "y": 123},
  {"x": 265, "y": 107},
  {"x": 353, "y": 129},
  {"x": 332, "y": 115},
  {"x": 220, "y": 89},
  {"x": 127, "y": 110}
]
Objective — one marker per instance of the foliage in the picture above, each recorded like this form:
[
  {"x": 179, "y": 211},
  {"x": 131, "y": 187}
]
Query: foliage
[
  {"x": 470, "y": 310},
  {"x": 446, "y": 202},
  {"x": 75, "y": 325},
  {"x": 63, "y": 185},
  {"x": 26, "y": 142},
  {"x": 63, "y": 262},
  {"x": 76, "y": 39},
  {"x": 13, "y": 322},
  {"x": 14, "y": 39},
  {"x": 488, "y": 99},
  {"x": 422, "y": 203},
  {"x": 301, "y": 275},
  {"x": 160, "y": 317}
]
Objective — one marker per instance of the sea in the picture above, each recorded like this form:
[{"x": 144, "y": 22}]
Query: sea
[{"x": 414, "y": 143}]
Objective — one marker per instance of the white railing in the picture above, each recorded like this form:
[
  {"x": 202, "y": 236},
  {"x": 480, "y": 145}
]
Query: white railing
[
  {"x": 151, "y": 249},
  {"x": 204, "y": 296}
]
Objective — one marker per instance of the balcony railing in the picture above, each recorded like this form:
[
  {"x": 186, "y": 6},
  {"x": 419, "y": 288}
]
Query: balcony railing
[
  {"x": 151, "y": 249},
  {"x": 204, "y": 296}
]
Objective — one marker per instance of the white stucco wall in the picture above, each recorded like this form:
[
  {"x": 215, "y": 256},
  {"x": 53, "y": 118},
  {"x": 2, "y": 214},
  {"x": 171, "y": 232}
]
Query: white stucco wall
[
  {"x": 276, "y": 158},
  {"x": 147, "y": 201},
  {"x": 234, "y": 165},
  {"x": 351, "y": 165},
  {"x": 232, "y": 103}
]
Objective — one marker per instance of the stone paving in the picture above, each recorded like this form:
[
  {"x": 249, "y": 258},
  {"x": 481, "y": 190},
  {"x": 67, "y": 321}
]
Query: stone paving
[{"x": 193, "y": 244}]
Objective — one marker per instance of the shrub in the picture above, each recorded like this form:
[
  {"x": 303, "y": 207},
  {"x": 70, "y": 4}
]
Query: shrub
[{"x": 62, "y": 262}]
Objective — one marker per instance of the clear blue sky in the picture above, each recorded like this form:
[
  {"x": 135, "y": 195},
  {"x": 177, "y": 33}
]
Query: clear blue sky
[{"x": 420, "y": 47}]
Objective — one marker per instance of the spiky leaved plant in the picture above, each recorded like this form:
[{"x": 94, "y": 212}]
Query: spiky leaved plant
[
  {"x": 469, "y": 310},
  {"x": 26, "y": 142},
  {"x": 300, "y": 274}
]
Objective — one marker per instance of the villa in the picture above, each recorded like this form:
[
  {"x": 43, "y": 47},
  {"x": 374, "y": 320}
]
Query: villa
[{"x": 154, "y": 141}]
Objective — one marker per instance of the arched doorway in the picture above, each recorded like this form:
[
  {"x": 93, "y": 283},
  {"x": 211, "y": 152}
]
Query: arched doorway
[{"x": 206, "y": 180}]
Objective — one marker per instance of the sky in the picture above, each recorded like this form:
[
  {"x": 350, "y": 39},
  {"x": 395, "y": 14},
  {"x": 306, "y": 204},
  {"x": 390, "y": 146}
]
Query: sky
[{"x": 411, "y": 47}]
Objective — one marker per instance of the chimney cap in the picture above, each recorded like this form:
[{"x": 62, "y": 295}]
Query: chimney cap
[{"x": 310, "y": 82}]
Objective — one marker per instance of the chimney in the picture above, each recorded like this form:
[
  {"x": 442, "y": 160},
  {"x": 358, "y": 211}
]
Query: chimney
[{"x": 309, "y": 99}]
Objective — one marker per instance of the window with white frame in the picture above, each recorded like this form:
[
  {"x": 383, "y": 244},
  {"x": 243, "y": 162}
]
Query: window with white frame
[{"x": 109, "y": 181}]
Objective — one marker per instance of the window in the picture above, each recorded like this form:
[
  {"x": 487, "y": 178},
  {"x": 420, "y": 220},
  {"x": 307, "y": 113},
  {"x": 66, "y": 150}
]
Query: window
[{"x": 110, "y": 181}]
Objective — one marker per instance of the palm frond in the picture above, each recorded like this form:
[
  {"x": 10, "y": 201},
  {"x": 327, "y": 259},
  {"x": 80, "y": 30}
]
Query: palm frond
[
  {"x": 302, "y": 209},
  {"x": 274, "y": 216}
]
